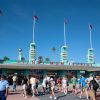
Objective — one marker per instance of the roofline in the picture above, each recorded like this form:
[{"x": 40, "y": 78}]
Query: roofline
[{"x": 48, "y": 67}]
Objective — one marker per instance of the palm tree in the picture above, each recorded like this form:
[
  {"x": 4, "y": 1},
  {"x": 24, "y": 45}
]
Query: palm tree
[
  {"x": 40, "y": 59},
  {"x": 47, "y": 60},
  {"x": 5, "y": 58}
]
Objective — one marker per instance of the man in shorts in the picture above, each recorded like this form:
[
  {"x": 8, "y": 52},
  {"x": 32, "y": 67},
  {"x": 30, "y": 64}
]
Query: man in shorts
[
  {"x": 83, "y": 87},
  {"x": 74, "y": 81},
  {"x": 33, "y": 84},
  {"x": 24, "y": 83}
]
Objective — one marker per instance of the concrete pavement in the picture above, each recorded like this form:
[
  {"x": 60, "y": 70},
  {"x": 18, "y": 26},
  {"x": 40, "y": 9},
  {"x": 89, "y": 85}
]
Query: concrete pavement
[
  {"x": 18, "y": 95},
  {"x": 60, "y": 96}
]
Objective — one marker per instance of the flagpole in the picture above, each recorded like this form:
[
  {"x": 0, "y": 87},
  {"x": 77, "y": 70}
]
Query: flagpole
[
  {"x": 64, "y": 33},
  {"x": 33, "y": 28},
  {"x": 90, "y": 39}
]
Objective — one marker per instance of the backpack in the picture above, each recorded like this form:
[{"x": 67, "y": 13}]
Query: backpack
[{"x": 94, "y": 84}]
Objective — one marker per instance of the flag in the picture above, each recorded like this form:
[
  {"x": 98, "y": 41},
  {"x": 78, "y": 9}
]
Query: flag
[
  {"x": 1, "y": 13},
  {"x": 65, "y": 21},
  {"x": 53, "y": 49},
  {"x": 90, "y": 26},
  {"x": 36, "y": 17}
]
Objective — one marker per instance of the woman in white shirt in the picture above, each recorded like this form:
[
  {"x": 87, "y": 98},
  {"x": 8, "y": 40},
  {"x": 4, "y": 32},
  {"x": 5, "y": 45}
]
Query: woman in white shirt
[
  {"x": 44, "y": 84},
  {"x": 64, "y": 85},
  {"x": 52, "y": 83}
]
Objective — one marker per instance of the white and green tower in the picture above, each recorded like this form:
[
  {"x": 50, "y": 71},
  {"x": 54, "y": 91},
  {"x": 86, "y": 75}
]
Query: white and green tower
[
  {"x": 64, "y": 49},
  {"x": 90, "y": 55},
  {"x": 20, "y": 55},
  {"x": 32, "y": 51}
]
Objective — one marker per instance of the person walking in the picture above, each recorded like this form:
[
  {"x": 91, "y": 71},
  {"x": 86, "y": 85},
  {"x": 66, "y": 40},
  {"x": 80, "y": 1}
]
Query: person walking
[
  {"x": 33, "y": 84},
  {"x": 14, "y": 82},
  {"x": 25, "y": 84},
  {"x": 79, "y": 84},
  {"x": 44, "y": 84},
  {"x": 4, "y": 85},
  {"x": 74, "y": 81},
  {"x": 65, "y": 85},
  {"x": 59, "y": 84},
  {"x": 92, "y": 87},
  {"x": 83, "y": 87},
  {"x": 29, "y": 90},
  {"x": 36, "y": 88},
  {"x": 48, "y": 84},
  {"x": 52, "y": 89}
]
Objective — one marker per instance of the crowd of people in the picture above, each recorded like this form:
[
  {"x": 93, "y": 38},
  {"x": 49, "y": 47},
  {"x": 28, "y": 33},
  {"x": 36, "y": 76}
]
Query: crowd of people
[{"x": 51, "y": 85}]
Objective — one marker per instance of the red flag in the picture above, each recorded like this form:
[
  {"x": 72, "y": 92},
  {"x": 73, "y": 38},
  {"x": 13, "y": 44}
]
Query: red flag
[
  {"x": 1, "y": 13},
  {"x": 90, "y": 26},
  {"x": 36, "y": 17}
]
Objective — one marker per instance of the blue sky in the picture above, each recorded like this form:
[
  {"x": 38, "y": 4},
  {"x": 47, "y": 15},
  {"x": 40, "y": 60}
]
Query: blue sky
[{"x": 16, "y": 27}]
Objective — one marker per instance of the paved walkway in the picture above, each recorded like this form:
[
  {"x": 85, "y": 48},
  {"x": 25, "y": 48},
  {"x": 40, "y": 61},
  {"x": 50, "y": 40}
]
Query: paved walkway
[
  {"x": 18, "y": 95},
  {"x": 60, "y": 96},
  {"x": 69, "y": 96}
]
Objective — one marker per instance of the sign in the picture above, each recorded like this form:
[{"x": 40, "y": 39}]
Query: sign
[
  {"x": 83, "y": 72},
  {"x": 39, "y": 72}
]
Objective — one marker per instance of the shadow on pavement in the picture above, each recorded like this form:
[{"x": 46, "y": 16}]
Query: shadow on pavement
[
  {"x": 13, "y": 93},
  {"x": 61, "y": 96}
]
